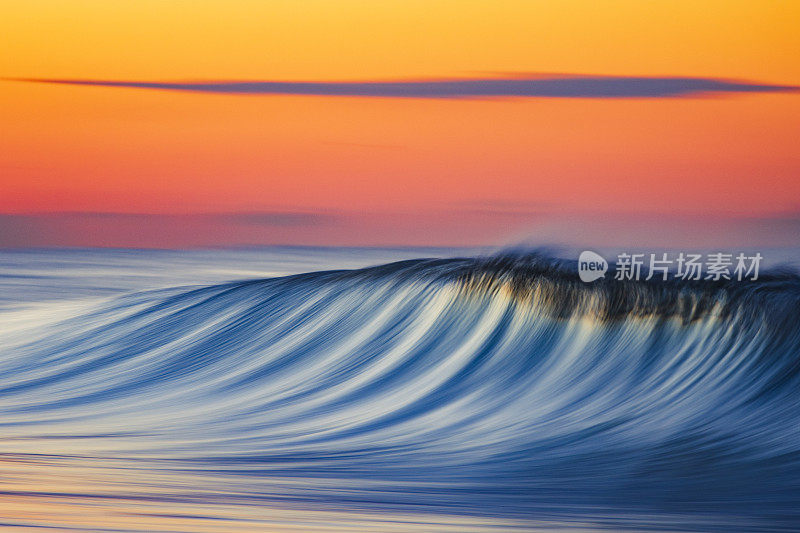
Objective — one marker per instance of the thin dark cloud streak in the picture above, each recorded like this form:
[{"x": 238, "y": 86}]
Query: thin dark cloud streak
[
  {"x": 259, "y": 218},
  {"x": 520, "y": 86},
  {"x": 467, "y": 225},
  {"x": 146, "y": 229}
]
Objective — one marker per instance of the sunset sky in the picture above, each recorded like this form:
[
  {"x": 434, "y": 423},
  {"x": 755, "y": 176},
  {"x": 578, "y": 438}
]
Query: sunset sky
[{"x": 503, "y": 120}]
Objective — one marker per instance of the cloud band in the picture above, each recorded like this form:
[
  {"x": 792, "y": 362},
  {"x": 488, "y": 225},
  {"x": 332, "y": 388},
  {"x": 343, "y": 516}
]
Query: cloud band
[{"x": 526, "y": 86}]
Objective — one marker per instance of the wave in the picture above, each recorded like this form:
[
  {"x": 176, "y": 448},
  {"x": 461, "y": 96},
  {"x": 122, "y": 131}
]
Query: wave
[{"x": 499, "y": 386}]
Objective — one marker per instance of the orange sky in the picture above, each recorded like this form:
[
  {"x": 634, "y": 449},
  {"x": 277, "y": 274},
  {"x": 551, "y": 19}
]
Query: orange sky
[{"x": 82, "y": 148}]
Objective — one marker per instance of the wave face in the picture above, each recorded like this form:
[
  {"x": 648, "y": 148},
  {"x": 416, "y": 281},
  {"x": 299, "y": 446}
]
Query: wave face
[{"x": 480, "y": 387}]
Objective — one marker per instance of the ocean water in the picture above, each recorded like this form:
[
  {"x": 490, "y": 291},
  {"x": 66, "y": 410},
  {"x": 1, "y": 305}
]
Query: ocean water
[{"x": 302, "y": 389}]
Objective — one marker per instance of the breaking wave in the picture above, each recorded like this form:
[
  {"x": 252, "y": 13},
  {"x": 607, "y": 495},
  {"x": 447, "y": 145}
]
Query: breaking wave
[{"x": 495, "y": 386}]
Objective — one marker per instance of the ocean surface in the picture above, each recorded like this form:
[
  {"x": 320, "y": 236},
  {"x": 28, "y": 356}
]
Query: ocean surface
[{"x": 313, "y": 389}]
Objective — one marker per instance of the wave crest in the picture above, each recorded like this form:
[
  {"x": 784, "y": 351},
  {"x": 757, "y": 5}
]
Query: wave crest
[{"x": 500, "y": 382}]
